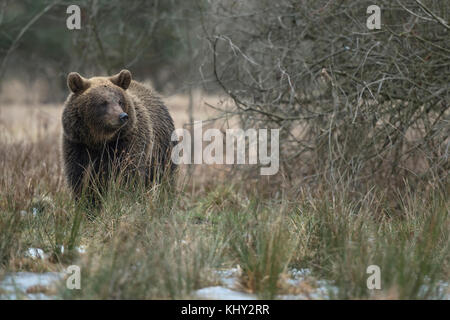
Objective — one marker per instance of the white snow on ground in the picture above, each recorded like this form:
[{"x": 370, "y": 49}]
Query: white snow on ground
[
  {"x": 222, "y": 293},
  {"x": 442, "y": 289},
  {"x": 15, "y": 285},
  {"x": 229, "y": 280},
  {"x": 35, "y": 253}
]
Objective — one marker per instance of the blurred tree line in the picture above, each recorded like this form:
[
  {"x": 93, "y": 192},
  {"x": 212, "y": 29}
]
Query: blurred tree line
[{"x": 147, "y": 37}]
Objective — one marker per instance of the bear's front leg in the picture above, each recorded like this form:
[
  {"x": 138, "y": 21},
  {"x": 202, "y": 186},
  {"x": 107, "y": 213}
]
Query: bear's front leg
[{"x": 76, "y": 163}]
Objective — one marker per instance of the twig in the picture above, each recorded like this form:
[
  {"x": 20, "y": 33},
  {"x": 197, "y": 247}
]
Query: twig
[
  {"x": 431, "y": 13},
  {"x": 20, "y": 35}
]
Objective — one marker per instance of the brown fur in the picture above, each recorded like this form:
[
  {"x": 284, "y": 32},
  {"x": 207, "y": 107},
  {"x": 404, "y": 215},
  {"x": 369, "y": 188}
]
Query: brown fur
[{"x": 95, "y": 141}]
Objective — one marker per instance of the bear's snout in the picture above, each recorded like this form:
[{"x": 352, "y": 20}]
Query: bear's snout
[
  {"x": 115, "y": 116},
  {"x": 123, "y": 117}
]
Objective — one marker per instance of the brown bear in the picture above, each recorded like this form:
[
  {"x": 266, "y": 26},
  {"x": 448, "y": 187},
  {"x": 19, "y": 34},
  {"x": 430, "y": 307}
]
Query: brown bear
[{"x": 114, "y": 126}]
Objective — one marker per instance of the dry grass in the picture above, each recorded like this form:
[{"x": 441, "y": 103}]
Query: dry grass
[{"x": 157, "y": 244}]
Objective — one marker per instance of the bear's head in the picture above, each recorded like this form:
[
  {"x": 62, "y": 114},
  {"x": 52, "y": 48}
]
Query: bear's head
[{"x": 98, "y": 108}]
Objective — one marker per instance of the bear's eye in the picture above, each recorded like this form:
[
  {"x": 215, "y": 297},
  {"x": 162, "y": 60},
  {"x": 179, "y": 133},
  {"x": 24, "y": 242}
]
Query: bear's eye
[{"x": 121, "y": 103}]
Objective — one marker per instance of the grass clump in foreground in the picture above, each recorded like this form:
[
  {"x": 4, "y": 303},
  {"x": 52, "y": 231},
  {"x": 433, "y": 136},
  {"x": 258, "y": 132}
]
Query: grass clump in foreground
[{"x": 143, "y": 246}]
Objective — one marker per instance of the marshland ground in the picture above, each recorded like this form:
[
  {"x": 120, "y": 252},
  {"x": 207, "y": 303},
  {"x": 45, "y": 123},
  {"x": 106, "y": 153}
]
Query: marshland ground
[{"x": 159, "y": 244}]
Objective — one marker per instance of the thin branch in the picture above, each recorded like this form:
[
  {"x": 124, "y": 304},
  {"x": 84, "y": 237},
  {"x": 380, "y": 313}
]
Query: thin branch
[
  {"x": 20, "y": 35},
  {"x": 431, "y": 13}
]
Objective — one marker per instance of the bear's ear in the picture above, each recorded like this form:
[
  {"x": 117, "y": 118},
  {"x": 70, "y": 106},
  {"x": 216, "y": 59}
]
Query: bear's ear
[
  {"x": 122, "y": 79},
  {"x": 77, "y": 83}
]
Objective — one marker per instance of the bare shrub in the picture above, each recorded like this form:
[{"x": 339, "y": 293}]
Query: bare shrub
[{"x": 370, "y": 106}]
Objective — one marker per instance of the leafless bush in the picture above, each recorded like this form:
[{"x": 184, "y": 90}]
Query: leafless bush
[{"x": 367, "y": 105}]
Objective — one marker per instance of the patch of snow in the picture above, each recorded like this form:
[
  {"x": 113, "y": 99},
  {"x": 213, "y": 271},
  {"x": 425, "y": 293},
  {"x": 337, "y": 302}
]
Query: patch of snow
[
  {"x": 81, "y": 249},
  {"x": 233, "y": 272},
  {"x": 229, "y": 277},
  {"x": 442, "y": 289},
  {"x": 325, "y": 290},
  {"x": 35, "y": 253},
  {"x": 34, "y": 212},
  {"x": 222, "y": 293},
  {"x": 300, "y": 273},
  {"x": 14, "y": 285},
  {"x": 229, "y": 280},
  {"x": 292, "y": 297}
]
